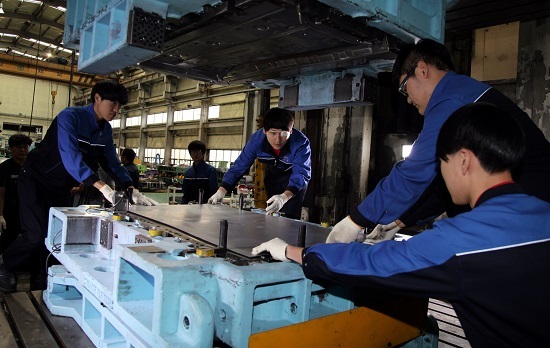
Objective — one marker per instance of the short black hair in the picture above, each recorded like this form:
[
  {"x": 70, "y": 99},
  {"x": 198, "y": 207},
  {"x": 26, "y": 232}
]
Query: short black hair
[
  {"x": 18, "y": 139},
  {"x": 493, "y": 135},
  {"x": 197, "y": 145},
  {"x": 427, "y": 50},
  {"x": 129, "y": 154},
  {"x": 278, "y": 118},
  {"x": 111, "y": 90}
]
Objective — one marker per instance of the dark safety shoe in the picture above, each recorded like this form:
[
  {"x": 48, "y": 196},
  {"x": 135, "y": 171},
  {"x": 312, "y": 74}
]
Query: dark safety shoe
[{"x": 7, "y": 279}]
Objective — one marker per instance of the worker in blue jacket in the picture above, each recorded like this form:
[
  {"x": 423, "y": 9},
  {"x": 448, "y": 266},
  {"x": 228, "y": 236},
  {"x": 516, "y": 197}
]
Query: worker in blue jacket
[
  {"x": 76, "y": 143},
  {"x": 426, "y": 78},
  {"x": 490, "y": 263},
  {"x": 10, "y": 226},
  {"x": 286, "y": 152},
  {"x": 200, "y": 176}
]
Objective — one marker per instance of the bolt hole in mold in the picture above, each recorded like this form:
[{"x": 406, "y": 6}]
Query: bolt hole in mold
[{"x": 105, "y": 269}]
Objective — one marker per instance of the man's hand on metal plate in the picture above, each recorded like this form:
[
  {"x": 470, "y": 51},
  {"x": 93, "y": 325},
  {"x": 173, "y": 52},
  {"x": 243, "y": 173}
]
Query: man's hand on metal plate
[
  {"x": 345, "y": 231},
  {"x": 276, "y": 247},
  {"x": 381, "y": 233},
  {"x": 140, "y": 198},
  {"x": 217, "y": 197},
  {"x": 276, "y": 202}
]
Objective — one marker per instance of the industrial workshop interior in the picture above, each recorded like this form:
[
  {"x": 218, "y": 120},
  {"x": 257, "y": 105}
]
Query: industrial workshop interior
[{"x": 260, "y": 134}]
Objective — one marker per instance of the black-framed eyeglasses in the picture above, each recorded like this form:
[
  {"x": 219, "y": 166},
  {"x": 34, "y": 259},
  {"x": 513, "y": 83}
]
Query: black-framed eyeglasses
[{"x": 403, "y": 85}]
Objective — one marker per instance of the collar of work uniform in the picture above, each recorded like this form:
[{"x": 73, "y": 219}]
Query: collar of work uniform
[{"x": 499, "y": 190}]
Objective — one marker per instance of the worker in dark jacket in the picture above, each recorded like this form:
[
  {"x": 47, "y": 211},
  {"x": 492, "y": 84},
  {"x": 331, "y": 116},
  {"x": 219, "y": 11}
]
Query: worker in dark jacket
[
  {"x": 127, "y": 158},
  {"x": 201, "y": 175},
  {"x": 10, "y": 227},
  {"x": 490, "y": 263},
  {"x": 286, "y": 152},
  {"x": 77, "y": 142},
  {"x": 425, "y": 77}
]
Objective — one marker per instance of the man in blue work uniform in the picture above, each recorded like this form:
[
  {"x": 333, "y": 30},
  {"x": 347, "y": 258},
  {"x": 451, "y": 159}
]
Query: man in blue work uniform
[
  {"x": 127, "y": 158},
  {"x": 10, "y": 227},
  {"x": 286, "y": 152},
  {"x": 77, "y": 142},
  {"x": 201, "y": 175},
  {"x": 489, "y": 263},
  {"x": 425, "y": 77}
]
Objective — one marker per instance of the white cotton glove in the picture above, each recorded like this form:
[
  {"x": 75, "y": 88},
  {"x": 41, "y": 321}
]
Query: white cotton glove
[
  {"x": 345, "y": 231},
  {"x": 381, "y": 233},
  {"x": 2, "y": 224},
  {"x": 108, "y": 193},
  {"x": 275, "y": 203},
  {"x": 140, "y": 198},
  {"x": 276, "y": 247},
  {"x": 216, "y": 197}
]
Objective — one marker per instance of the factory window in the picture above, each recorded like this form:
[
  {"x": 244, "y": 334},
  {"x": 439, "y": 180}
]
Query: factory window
[
  {"x": 154, "y": 156},
  {"x": 115, "y": 123},
  {"x": 187, "y": 115},
  {"x": 157, "y": 118},
  {"x": 181, "y": 156},
  {"x": 133, "y": 121},
  {"x": 214, "y": 111},
  {"x": 223, "y": 158},
  {"x": 195, "y": 114}
]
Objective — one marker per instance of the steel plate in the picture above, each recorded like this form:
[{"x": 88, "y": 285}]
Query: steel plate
[{"x": 245, "y": 229}]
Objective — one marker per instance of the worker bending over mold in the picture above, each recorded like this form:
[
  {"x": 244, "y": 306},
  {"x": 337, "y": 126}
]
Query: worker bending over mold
[{"x": 490, "y": 263}]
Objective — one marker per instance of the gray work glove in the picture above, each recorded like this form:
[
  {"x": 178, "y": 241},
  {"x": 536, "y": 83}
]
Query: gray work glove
[
  {"x": 217, "y": 197},
  {"x": 381, "y": 233},
  {"x": 2, "y": 224},
  {"x": 140, "y": 198},
  {"x": 108, "y": 193},
  {"x": 276, "y": 202},
  {"x": 276, "y": 247},
  {"x": 345, "y": 231}
]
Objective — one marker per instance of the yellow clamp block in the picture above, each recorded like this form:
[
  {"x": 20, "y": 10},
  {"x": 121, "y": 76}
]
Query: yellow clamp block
[
  {"x": 205, "y": 252},
  {"x": 118, "y": 217},
  {"x": 153, "y": 232}
]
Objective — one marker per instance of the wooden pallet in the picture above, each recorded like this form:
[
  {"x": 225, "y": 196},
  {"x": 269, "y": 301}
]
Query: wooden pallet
[
  {"x": 450, "y": 330},
  {"x": 25, "y": 321}
]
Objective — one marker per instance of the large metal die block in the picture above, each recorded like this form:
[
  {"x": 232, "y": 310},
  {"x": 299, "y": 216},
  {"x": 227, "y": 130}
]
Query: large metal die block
[
  {"x": 260, "y": 42},
  {"x": 177, "y": 300},
  {"x": 405, "y": 19},
  {"x": 157, "y": 292}
]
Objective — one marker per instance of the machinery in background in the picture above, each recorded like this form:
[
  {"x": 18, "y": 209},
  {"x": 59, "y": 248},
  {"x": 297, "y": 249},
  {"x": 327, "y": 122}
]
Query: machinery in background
[
  {"x": 171, "y": 175},
  {"x": 244, "y": 199},
  {"x": 321, "y": 53},
  {"x": 184, "y": 276}
]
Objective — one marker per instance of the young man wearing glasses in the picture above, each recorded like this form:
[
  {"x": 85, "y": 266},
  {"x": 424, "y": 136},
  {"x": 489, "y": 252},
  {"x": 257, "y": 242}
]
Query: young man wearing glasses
[
  {"x": 488, "y": 262},
  {"x": 414, "y": 190},
  {"x": 286, "y": 152},
  {"x": 200, "y": 176}
]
